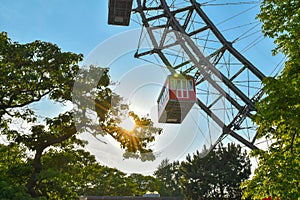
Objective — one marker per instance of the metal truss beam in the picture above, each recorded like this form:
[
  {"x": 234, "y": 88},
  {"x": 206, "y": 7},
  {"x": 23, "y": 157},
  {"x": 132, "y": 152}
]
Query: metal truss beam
[{"x": 204, "y": 67}]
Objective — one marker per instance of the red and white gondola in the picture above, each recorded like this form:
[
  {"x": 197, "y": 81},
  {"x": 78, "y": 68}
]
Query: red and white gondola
[{"x": 176, "y": 98}]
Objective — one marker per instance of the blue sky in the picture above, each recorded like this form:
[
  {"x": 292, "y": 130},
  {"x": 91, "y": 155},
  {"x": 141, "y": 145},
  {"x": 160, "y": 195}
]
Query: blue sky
[
  {"x": 81, "y": 26},
  {"x": 76, "y": 25}
]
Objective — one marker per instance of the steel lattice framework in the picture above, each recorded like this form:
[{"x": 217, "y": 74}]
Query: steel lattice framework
[{"x": 185, "y": 40}]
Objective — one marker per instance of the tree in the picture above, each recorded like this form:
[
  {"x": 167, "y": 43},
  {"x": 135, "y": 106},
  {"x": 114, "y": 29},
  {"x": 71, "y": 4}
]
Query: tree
[
  {"x": 13, "y": 171},
  {"x": 92, "y": 95},
  {"x": 169, "y": 175},
  {"x": 217, "y": 175},
  {"x": 142, "y": 184},
  {"x": 30, "y": 72},
  {"x": 114, "y": 182},
  {"x": 63, "y": 175},
  {"x": 35, "y": 70},
  {"x": 278, "y": 114},
  {"x": 55, "y": 173}
]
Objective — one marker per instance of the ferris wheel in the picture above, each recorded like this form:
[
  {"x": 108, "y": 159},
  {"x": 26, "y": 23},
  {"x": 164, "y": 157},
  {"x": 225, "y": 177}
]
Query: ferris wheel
[{"x": 200, "y": 59}]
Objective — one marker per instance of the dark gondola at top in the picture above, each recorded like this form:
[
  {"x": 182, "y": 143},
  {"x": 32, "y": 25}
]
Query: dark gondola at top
[{"x": 119, "y": 12}]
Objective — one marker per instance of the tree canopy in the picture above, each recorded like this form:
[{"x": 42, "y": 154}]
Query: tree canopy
[
  {"x": 217, "y": 175},
  {"x": 31, "y": 71},
  {"x": 169, "y": 175},
  {"x": 48, "y": 159},
  {"x": 278, "y": 114}
]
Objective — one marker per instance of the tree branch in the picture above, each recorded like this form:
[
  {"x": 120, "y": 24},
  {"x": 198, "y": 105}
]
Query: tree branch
[{"x": 37, "y": 164}]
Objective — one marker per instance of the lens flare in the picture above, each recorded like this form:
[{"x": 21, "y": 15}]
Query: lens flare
[{"x": 128, "y": 124}]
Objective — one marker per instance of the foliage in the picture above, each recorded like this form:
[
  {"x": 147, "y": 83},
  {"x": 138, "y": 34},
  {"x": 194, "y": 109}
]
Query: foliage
[
  {"x": 45, "y": 174},
  {"x": 169, "y": 175},
  {"x": 48, "y": 160},
  {"x": 281, "y": 21},
  {"x": 13, "y": 173},
  {"x": 10, "y": 191},
  {"x": 142, "y": 184},
  {"x": 69, "y": 178},
  {"x": 278, "y": 114},
  {"x": 29, "y": 72},
  {"x": 111, "y": 182},
  {"x": 111, "y": 110},
  {"x": 217, "y": 175},
  {"x": 66, "y": 174}
]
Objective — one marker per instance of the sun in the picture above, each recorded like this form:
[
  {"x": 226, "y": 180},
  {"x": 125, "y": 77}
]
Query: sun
[{"x": 128, "y": 124}]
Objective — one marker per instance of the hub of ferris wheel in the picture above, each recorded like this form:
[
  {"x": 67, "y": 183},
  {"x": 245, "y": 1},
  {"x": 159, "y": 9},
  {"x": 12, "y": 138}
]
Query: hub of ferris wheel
[{"x": 187, "y": 42}]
